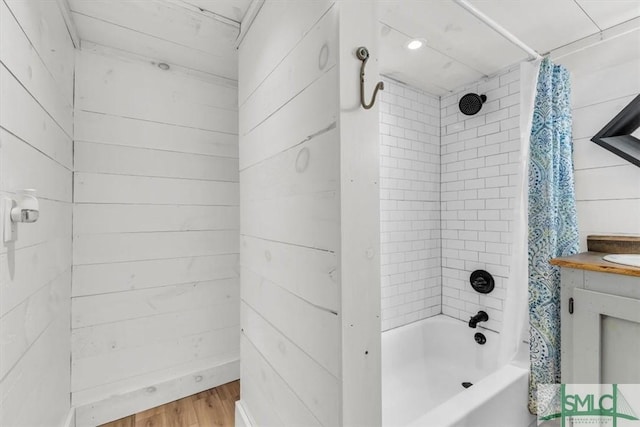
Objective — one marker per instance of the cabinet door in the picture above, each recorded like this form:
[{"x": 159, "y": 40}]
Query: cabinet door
[{"x": 606, "y": 338}]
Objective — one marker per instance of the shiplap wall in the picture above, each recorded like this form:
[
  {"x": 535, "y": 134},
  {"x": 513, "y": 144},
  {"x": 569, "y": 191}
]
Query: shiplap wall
[
  {"x": 607, "y": 186},
  {"x": 36, "y": 132},
  {"x": 290, "y": 216},
  {"x": 302, "y": 275},
  {"x": 411, "y": 273},
  {"x": 479, "y": 161},
  {"x": 155, "y": 298}
]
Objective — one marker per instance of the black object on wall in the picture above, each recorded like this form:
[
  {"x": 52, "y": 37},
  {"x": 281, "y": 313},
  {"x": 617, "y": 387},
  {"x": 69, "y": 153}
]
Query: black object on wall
[
  {"x": 482, "y": 316},
  {"x": 616, "y": 135},
  {"x": 471, "y": 103},
  {"x": 482, "y": 281}
]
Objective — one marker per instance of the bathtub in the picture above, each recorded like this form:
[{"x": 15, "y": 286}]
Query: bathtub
[{"x": 424, "y": 365}]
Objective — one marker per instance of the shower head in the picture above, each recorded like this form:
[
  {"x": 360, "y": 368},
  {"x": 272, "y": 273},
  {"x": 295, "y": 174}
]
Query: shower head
[{"x": 471, "y": 103}]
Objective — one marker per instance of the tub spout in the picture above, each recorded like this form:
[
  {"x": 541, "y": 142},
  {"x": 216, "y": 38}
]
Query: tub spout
[{"x": 482, "y": 316}]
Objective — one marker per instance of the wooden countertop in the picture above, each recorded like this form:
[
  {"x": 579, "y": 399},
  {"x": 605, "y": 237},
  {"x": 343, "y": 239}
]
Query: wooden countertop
[{"x": 593, "y": 261}]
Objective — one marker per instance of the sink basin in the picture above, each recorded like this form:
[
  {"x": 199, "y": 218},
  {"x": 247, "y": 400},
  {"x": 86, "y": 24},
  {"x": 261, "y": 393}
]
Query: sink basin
[{"x": 625, "y": 259}]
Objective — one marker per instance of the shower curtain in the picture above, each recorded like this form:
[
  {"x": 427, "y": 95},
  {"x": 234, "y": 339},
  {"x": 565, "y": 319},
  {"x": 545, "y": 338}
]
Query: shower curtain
[
  {"x": 514, "y": 336},
  {"x": 553, "y": 228}
]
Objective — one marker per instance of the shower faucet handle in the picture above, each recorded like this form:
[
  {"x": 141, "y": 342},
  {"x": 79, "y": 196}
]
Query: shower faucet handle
[{"x": 479, "y": 281}]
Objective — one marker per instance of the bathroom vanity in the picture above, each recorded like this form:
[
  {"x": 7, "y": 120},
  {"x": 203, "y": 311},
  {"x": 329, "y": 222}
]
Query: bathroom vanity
[{"x": 600, "y": 320}]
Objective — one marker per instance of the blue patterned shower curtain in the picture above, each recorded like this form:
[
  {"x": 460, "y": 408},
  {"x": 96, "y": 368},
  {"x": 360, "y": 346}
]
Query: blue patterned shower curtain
[{"x": 553, "y": 228}]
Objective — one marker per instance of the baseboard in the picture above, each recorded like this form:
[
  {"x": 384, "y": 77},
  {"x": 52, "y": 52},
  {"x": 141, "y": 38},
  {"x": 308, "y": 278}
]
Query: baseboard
[
  {"x": 71, "y": 418},
  {"x": 242, "y": 416},
  {"x": 121, "y": 405}
]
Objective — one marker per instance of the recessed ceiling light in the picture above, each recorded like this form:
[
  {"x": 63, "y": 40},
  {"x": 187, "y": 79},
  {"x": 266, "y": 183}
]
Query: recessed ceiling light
[
  {"x": 414, "y": 44},
  {"x": 163, "y": 66}
]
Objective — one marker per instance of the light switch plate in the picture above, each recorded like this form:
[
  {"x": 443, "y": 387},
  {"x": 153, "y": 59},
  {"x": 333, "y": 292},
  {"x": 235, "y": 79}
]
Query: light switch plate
[{"x": 9, "y": 228}]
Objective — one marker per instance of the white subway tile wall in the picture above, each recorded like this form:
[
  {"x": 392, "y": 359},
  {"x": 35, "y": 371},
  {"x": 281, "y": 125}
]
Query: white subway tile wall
[
  {"x": 479, "y": 164},
  {"x": 410, "y": 204}
]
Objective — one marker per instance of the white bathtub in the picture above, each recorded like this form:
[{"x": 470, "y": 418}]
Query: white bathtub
[{"x": 424, "y": 365}]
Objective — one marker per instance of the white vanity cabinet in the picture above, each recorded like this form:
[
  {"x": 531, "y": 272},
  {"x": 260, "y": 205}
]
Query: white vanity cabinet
[{"x": 600, "y": 324}]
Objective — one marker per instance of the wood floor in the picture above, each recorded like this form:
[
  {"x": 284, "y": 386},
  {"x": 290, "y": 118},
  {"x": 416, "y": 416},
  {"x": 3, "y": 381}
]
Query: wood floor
[{"x": 210, "y": 408}]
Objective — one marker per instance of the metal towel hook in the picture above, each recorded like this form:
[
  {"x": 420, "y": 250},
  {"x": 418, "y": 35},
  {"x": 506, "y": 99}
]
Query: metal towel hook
[{"x": 363, "y": 55}]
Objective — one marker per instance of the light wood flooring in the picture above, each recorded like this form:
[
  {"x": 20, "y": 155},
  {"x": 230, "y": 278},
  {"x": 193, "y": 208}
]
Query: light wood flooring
[{"x": 210, "y": 408}]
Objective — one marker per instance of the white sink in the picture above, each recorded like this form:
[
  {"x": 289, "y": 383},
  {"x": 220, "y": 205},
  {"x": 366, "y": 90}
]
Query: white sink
[{"x": 625, "y": 259}]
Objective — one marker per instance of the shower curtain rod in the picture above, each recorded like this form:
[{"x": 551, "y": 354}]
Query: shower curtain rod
[
  {"x": 562, "y": 51},
  {"x": 498, "y": 28},
  {"x": 595, "y": 39}
]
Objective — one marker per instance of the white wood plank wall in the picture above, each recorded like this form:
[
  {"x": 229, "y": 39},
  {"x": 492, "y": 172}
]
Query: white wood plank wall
[
  {"x": 607, "y": 186},
  {"x": 292, "y": 304},
  {"x": 290, "y": 215},
  {"x": 359, "y": 263},
  {"x": 36, "y": 138},
  {"x": 155, "y": 296}
]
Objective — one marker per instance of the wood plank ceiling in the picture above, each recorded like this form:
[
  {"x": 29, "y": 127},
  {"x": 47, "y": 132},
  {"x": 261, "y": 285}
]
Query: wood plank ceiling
[
  {"x": 460, "y": 49},
  {"x": 195, "y": 34}
]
